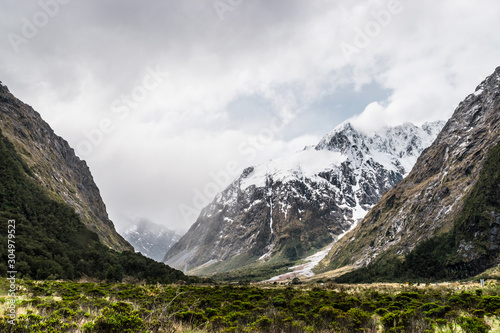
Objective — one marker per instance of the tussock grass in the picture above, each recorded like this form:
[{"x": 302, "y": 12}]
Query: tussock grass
[{"x": 62, "y": 306}]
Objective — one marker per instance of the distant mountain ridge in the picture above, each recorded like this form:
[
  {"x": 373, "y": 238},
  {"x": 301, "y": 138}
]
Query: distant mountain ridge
[
  {"x": 151, "y": 239},
  {"x": 293, "y": 205},
  {"x": 443, "y": 220}
]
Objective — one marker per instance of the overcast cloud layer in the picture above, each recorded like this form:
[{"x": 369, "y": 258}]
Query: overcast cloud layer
[{"x": 169, "y": 100}]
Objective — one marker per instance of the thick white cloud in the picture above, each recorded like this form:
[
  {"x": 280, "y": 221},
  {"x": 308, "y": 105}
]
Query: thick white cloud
[
  {"x": 223, "y": 81},
  {"x": 431, "y": 56}
]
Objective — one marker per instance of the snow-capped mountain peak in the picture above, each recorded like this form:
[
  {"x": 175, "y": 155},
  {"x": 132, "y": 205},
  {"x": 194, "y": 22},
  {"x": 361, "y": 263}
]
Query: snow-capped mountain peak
[
  {"x": 396, "y": 148},
  {"x": 151, "y": 239},
  {"x": 302, "y": 201}
]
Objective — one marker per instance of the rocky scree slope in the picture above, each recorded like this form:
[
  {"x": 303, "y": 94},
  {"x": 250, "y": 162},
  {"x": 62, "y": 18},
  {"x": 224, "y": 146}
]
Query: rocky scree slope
[
  {"x": 448, "y": 208},
  {"x": 286, "y": 208},
  {"x": 56, "y": 166}
]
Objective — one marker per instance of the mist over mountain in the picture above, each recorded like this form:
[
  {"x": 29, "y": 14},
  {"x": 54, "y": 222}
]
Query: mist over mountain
[{"x": 150, "y": 239}]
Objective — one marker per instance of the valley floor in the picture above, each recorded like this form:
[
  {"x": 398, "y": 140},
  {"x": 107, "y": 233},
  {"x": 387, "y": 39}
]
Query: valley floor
[{"x": 59, "y": 306}]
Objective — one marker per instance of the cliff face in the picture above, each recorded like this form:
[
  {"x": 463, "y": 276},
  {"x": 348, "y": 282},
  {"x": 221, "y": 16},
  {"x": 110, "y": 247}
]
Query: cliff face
[
  {"x": 56, "y": 166},
  {"x": 440, "y": 194},
  {"x": 286, "y": 208}
]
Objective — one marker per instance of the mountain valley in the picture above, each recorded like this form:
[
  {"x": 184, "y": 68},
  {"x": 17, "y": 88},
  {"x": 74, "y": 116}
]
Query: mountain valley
[{"x": 284, "y": 210}]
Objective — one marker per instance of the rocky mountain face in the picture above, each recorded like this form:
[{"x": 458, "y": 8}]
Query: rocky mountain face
[
  {"x": 151, "y": 239},
  {"x": 446, "y": 213},
  {"x": 293, "y": 205},
  {"x": 56, "y": 166}
]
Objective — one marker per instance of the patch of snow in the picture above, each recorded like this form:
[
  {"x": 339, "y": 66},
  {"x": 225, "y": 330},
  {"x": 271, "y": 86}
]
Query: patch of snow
[
  {"x": 253, "y": 203},
  {"x": 270, "y": 193},
  {"x": 301, "y": 165},
  {"x": 306, "y": 268},
  {"x": 268, "y": 253},
  {"x": 310, "y": 262}
]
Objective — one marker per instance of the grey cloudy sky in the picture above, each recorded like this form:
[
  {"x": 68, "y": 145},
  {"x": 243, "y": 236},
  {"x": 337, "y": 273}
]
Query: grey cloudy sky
[{"x": 168, "y": 100}]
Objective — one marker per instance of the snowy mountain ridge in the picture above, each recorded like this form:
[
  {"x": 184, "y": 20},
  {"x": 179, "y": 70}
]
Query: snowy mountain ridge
[
  {"x": 151, "y": 239},
  {"x": 300, "y": 202},
  {"x": 395, "y": 148}
]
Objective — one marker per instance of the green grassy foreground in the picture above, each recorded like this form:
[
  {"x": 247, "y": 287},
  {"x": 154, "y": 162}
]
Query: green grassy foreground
[{"x": 53, "y": 306}]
